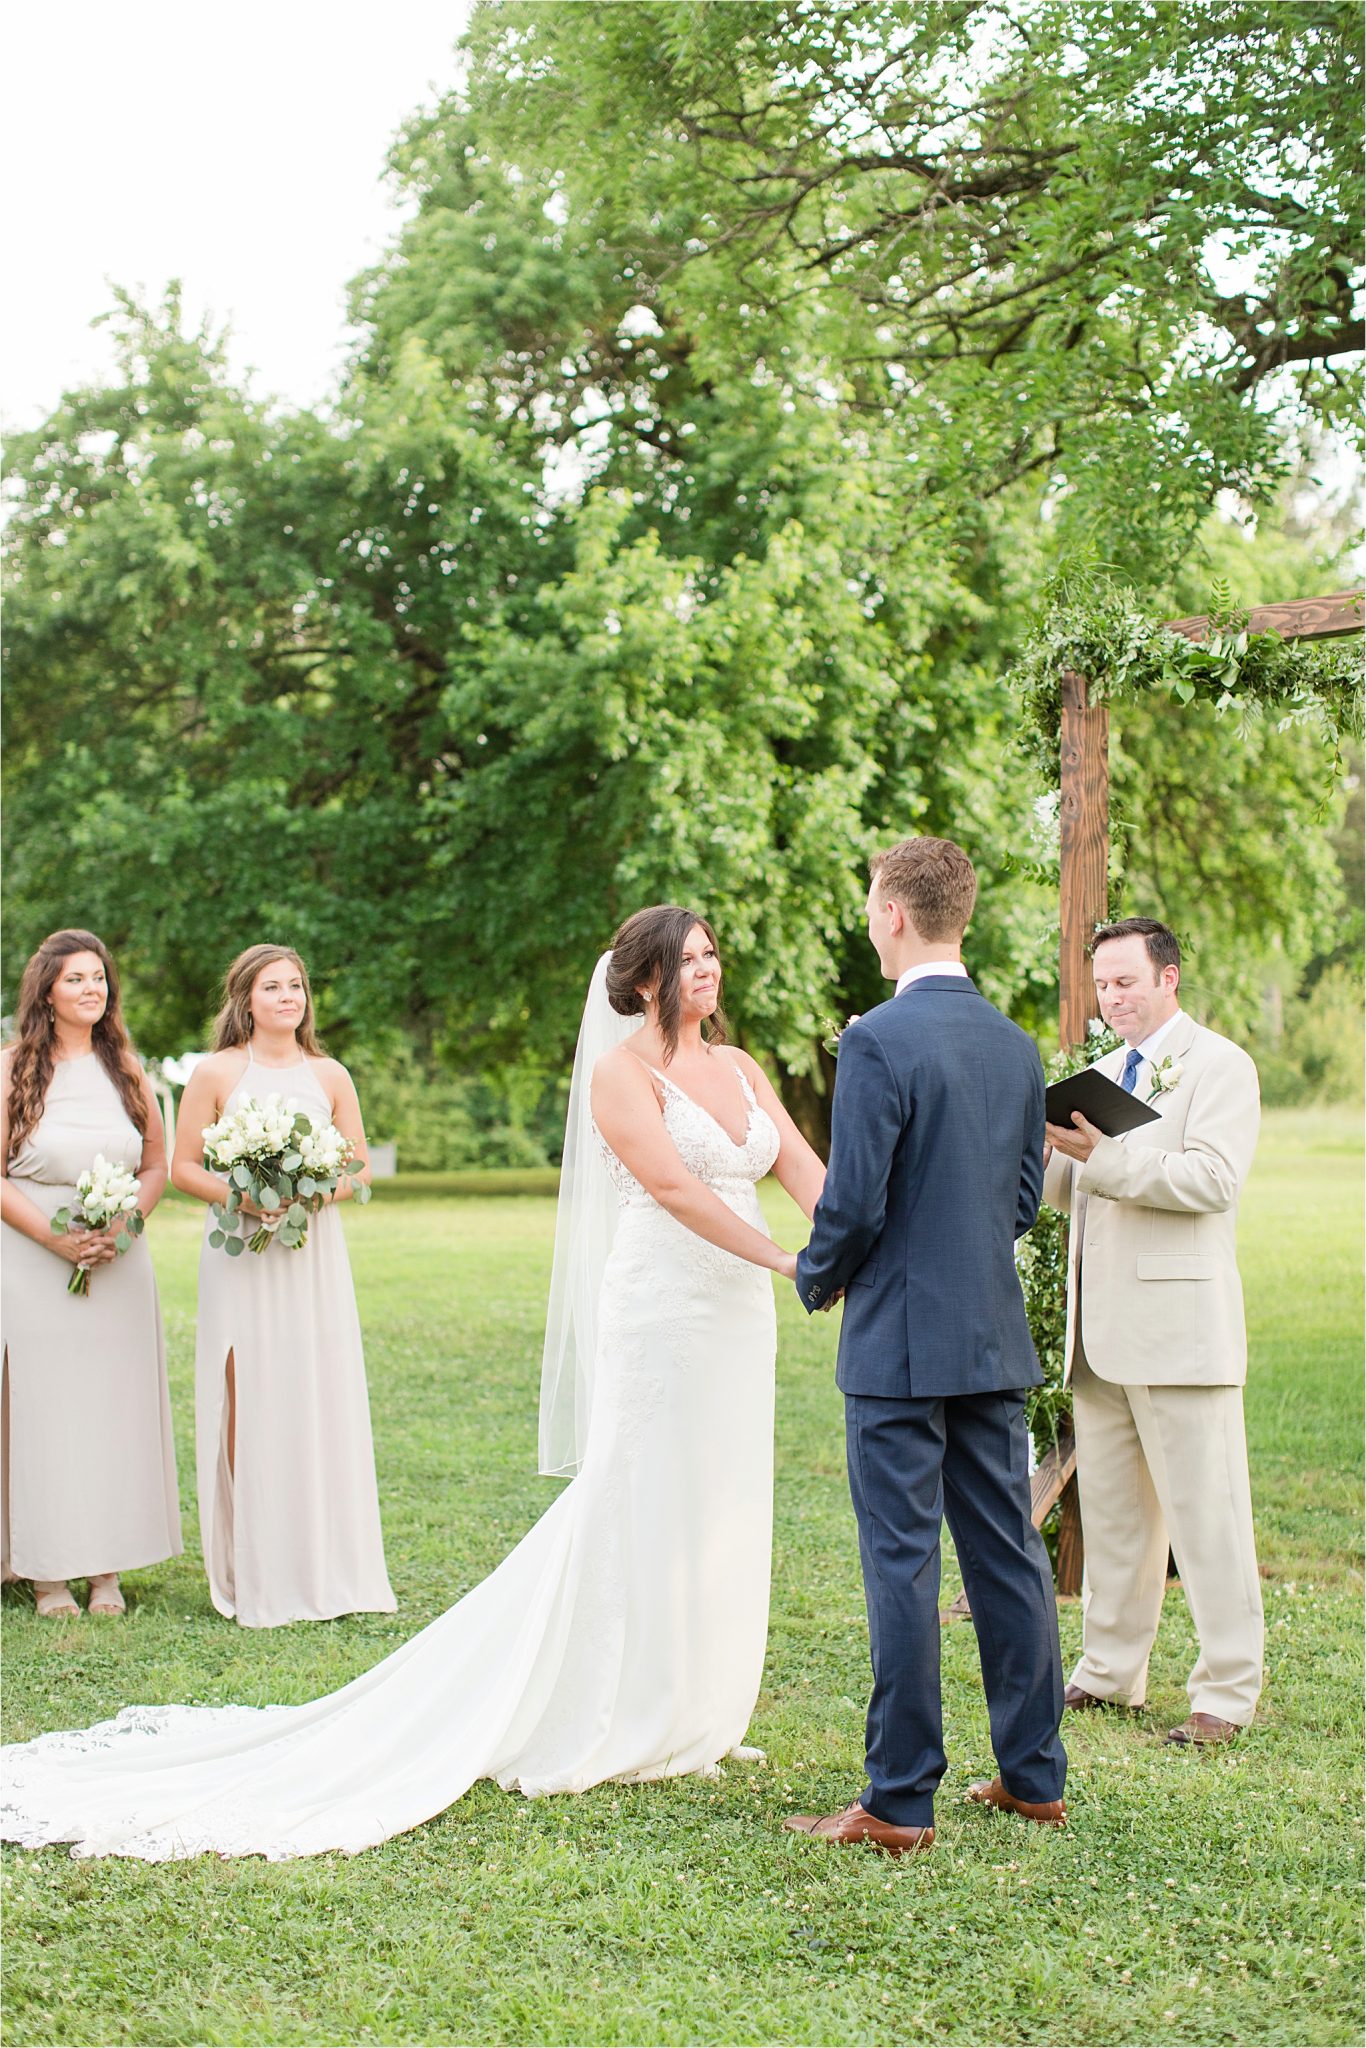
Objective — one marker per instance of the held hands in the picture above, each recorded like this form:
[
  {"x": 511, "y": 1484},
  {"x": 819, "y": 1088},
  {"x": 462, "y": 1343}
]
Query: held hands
[
  {"x": 88, "y": 1248},
  {"x": 787, "y": 1267},
  {"x": 1077, "y": 1140}
]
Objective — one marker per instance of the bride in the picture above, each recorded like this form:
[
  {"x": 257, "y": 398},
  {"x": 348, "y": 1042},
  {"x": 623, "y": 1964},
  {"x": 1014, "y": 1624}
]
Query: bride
[{"x": 624, "y": 1637}]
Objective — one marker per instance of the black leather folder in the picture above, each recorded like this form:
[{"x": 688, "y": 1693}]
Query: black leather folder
[{"x": 1103, "y": 1103}]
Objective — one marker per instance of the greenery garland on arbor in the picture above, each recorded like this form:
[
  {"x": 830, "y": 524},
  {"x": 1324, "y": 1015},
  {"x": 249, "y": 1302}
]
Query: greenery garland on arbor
[
  {"x": 1041, "y": 1262},
  {"x": 1099, "y": 629}
]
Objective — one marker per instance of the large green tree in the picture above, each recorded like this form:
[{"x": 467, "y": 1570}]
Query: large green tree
[
  {"x": 1043, "y": 239},
  {"x": 609, "y": 583}
]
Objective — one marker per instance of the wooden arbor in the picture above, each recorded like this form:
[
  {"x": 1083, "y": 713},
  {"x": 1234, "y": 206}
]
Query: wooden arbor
[
  {"x": 1083, "y": 888},
  {"x": 1083, "y": 904}
]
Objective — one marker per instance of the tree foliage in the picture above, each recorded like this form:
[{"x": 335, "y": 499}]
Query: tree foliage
[
  {"x": 662, "y": 549},
  {"x": 1040, "y": 239}
]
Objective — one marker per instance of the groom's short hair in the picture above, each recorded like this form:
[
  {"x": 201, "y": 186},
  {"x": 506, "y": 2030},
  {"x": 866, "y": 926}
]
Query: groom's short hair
[{"x": 933, "y": 881}]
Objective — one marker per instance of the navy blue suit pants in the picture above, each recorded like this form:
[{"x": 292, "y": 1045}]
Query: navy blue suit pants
[{"x": 964, "y": 1459}]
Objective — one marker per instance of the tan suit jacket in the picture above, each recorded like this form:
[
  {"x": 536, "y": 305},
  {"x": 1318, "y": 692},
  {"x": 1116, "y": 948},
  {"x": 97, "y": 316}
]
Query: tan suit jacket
[{"x": 1152, "y": 1267}]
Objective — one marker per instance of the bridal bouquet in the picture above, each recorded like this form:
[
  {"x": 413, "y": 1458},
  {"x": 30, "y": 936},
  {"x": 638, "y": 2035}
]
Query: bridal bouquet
[
  {"x": 104, "y": 1192},
  {"x": 278, "y": 1159}
]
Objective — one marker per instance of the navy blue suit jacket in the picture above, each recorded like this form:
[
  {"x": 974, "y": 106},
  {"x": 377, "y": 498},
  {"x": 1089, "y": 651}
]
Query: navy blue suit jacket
[{"x": 936, "y": 1167}]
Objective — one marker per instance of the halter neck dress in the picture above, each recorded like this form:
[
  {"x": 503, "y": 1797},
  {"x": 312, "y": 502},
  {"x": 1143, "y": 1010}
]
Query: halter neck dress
[
  {"x": 87, "y": 1458},
  {"x": 292, "y": 1532}
]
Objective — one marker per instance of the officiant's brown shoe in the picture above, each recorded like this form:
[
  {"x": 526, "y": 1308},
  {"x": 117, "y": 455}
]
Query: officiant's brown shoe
[
  {"x": 1077, "y": 1700},
  {"x": 856, "y": 1825},
  {"x": 1203, "y": 1731},
  {"x": 1047, "y": 1813}
]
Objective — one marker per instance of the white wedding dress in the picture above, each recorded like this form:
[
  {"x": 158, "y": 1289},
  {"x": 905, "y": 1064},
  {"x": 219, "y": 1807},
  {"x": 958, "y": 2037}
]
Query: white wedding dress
[{"x": 622, "y": 1639}]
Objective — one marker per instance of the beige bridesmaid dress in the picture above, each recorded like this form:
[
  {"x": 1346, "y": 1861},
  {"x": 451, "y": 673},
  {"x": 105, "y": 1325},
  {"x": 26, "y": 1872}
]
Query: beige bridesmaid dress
[
  {"x": 291, "y": 1531},
  {"x": 87, "y": 1458}
]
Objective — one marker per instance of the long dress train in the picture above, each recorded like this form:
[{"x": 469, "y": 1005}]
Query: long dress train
[{"x": 622, "y": 1639}]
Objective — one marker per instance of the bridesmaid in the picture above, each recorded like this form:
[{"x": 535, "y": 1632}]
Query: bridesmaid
[
  {"x": 87, "y": 1459},
  {"x": 288, "y": 1506}
]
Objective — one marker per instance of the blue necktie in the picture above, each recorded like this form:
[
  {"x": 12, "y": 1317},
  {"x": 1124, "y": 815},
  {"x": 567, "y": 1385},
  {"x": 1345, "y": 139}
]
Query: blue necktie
[{"x": 1128, "y": 1080}]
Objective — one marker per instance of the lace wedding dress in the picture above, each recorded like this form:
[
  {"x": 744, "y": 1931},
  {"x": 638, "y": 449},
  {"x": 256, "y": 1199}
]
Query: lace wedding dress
[{"x": 622, "y": 1639}]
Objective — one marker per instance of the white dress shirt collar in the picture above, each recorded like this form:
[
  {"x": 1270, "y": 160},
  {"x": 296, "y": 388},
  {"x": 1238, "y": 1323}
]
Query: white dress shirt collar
[
  {"x": 924, "y": 967},
  {"x": 1150, "y": 1046}
]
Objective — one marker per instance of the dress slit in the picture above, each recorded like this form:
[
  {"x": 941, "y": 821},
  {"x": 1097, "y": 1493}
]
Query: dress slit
[
  {"x": 5, "y": 1572},
  {"x": 222, "y": 1559}
]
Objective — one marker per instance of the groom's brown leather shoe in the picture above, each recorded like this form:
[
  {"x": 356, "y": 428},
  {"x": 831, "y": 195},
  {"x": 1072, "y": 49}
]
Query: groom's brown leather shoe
[
  {"x": 1048, "y": 1813},
  {"x": 856, "y": 1825}
]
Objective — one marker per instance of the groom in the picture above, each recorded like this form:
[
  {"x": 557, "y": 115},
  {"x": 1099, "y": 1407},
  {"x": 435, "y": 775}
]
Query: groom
[{"x": 936, "y": 1166}]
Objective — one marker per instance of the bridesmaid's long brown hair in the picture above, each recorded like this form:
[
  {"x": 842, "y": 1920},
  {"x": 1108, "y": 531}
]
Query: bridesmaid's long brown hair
[
  {"x": 35, "y": 1037},
  {"x": 232, "y": 1026}
]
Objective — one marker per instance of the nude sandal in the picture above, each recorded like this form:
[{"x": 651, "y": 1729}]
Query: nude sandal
[
  {"x": 53, "y": 1598},
  {"x": 105, "y": 1597}
]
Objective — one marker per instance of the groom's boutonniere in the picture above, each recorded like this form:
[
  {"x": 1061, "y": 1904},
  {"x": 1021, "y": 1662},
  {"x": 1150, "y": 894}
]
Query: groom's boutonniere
[
  {"x": 1166, "y": 1074},
  {"x": 835, "y": 1033}
]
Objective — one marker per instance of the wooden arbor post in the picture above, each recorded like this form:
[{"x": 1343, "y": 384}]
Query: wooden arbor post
[
  {"x": 1083, "y": 899},
  {"x": 1084, "y": 817}
]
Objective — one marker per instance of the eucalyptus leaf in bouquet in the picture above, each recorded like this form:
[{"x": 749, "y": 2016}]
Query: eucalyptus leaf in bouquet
[
  {"x": 105, "y": 1194},
  {"x": 284, "y": 1164}
]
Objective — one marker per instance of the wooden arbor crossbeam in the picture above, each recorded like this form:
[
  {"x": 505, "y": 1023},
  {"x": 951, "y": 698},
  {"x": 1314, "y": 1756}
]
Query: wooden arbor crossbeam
[{"x": 1304, "y": 618}]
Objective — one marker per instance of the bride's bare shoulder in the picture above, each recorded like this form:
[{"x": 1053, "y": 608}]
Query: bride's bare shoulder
[
  {"x": 746, "y": 1062},
  {"x": 620, "y": 1070}
]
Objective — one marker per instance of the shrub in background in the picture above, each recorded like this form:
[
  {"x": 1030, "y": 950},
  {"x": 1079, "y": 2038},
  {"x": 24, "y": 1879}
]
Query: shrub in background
[{"x": 443, "y": 1122}]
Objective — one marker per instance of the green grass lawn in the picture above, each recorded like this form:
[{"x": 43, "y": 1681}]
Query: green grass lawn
[{"x": 1192, "y": 1899}]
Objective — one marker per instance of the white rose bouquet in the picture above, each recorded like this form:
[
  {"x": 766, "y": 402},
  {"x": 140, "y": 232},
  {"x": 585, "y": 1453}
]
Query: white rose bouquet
[
  {"x": 104, "y": 1193},
  {"x": 277, "y": 1159}
]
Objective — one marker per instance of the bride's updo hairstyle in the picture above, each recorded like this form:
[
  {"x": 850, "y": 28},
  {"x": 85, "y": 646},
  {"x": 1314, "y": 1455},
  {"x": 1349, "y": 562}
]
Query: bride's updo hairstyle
[
  {"x": 648, "y": 953},
  {"x": 233, "y": 1025}
]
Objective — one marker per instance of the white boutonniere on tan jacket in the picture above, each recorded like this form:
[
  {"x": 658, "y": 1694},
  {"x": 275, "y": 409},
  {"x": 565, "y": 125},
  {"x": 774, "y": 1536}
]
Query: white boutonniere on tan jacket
[{"x": 1166, "y": 1074}]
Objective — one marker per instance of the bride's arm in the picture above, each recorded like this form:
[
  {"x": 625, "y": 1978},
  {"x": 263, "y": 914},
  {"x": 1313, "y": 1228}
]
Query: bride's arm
[
  {"x": 798, "y": 1168},
  {"x": 626, "y": 1110}
]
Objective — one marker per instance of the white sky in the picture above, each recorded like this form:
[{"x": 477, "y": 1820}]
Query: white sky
[{"x": 240, "y": 148}]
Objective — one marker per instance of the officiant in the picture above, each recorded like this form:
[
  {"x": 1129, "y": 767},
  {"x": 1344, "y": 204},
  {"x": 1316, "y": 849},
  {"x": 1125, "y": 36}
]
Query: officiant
[{"x": 1156, "y": 1346}]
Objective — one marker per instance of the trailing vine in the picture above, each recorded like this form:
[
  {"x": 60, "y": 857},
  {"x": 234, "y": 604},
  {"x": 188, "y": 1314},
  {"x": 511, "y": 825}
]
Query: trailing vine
[
  {"x": 1098, "y": 628},
  {"x": 1041, "y": 1261}
]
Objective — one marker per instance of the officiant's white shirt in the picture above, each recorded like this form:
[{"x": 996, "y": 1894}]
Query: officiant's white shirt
[
  {"x": 1150, "y": 1048},
  {"x": 929, "y": 967}
]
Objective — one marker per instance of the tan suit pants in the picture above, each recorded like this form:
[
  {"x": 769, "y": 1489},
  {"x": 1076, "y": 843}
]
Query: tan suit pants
[{"x": 1158, "y": 1465}]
